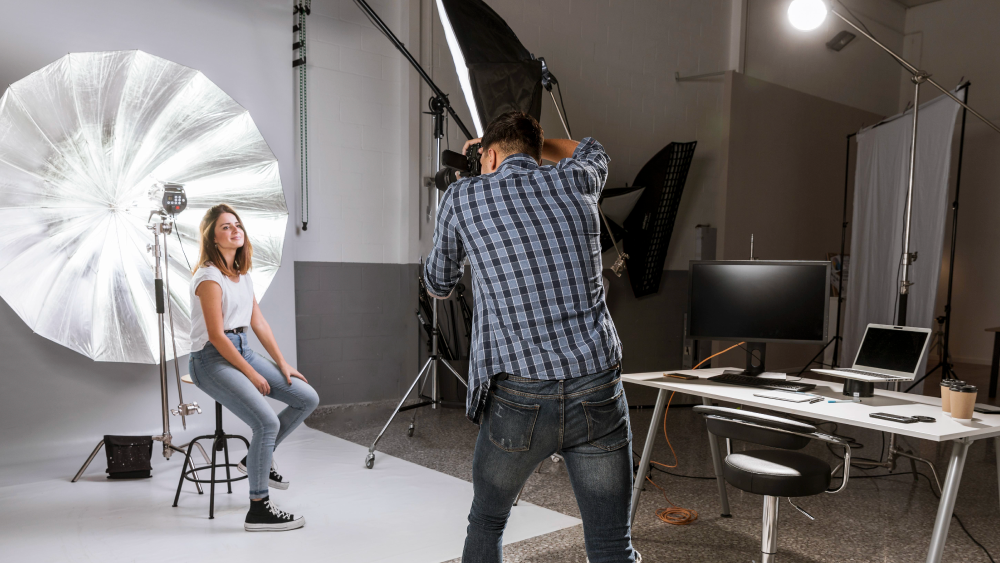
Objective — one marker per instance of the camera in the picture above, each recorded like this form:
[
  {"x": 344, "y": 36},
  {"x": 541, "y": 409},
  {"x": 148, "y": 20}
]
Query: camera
[{"x": 468, "y": 164}]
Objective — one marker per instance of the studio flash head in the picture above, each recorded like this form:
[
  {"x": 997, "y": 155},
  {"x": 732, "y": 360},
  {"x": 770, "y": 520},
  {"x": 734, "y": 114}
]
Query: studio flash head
[
  {"x": 171, "y": 197},
  {"x": 468, "y": 164}
]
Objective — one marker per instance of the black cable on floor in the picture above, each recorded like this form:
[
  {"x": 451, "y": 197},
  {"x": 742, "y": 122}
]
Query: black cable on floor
[{"x": 933, "y": 492}]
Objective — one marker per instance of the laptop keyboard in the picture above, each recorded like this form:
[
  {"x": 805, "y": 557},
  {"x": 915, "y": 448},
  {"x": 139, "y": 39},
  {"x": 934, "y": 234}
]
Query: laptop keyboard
[{"x": 869, "y": 373}]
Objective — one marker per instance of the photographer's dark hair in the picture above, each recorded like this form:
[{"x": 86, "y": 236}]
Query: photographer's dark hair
[{"x": 515, "y": 132}]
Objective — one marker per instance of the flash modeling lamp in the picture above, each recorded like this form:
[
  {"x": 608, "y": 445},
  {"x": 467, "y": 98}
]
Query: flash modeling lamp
[{"x": 807, "y": 15}]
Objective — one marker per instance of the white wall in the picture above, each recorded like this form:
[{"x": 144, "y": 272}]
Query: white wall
[
  {"x": 359, "y": 144},
  {"x": 861, "y": 75},
  {"x": 953, "y": 39},
  {"x": 56, "y": 403}
]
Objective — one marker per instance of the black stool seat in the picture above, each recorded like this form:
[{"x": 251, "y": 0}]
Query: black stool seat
[{"x": 778, "y": 473}]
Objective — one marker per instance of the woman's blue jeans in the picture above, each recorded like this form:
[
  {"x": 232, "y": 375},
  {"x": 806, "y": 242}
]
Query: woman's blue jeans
[
  {"x": 527, "y": 420},
  {"x": 214, "y": 375}
]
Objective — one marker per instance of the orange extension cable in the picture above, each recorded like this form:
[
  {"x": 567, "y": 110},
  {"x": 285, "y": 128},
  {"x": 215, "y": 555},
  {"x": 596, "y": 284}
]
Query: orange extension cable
[{"x": 674, "y": 514}]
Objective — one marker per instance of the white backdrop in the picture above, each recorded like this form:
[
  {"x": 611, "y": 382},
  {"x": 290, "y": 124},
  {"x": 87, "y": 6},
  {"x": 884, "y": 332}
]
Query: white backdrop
[
  {"x": 57, "y": 404},
  {"x": 879, "y": 199}
]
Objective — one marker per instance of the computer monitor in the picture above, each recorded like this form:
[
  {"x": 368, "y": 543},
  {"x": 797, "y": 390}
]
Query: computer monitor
[{"x": 759, "y": 301}]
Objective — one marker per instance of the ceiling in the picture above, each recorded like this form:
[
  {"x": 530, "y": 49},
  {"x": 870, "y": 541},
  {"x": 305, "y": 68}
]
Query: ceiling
[{"x": 912, "y": 3}]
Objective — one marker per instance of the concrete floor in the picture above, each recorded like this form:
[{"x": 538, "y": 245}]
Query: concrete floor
[{"x": 885, "y": 519}]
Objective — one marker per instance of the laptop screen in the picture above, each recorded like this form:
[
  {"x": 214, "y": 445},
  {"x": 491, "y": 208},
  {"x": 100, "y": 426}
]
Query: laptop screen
[{"x": 891, "y": 349}]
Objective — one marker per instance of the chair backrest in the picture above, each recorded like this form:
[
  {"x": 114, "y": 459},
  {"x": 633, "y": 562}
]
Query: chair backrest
[{"x": 756, "y": 428}]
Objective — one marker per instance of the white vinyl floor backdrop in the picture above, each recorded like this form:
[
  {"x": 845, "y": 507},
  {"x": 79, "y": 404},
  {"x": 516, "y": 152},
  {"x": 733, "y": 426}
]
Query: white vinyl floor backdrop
[
  {"x": 397, "y": 512},
  {"x": 877, "y": 236}
]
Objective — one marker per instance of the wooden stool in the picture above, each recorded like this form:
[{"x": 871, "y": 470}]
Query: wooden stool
[{"x": 219, "y": 444}]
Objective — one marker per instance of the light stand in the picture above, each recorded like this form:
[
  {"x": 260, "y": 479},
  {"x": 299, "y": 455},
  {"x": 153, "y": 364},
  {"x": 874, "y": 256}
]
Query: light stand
[
  {"x": 918, "y": 78},
  {"x": 161, "y": 223},
  {"x": 817, "y": 11},
  {"x": 438, "y": 104},
  {"x": 944, "y": 360}
]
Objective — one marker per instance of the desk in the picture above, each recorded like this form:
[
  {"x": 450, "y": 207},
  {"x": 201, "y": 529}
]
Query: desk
[{"x": 851, "y": 414}]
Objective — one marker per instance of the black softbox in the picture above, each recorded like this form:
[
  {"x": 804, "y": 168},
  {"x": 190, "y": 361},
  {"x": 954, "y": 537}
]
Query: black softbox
[{"x": 496, "y": 72}]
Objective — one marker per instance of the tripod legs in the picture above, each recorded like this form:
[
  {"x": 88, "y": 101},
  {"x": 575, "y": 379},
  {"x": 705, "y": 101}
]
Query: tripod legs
[{"x": 370, "y": 458}]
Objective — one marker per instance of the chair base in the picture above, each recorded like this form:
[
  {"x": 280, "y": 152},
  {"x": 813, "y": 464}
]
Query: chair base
[
  {"x": 220, "y": 443},
  {"x": 769, "y": 530}
]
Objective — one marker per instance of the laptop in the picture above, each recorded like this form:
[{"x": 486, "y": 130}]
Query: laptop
[{"x": 887, "y": 353}]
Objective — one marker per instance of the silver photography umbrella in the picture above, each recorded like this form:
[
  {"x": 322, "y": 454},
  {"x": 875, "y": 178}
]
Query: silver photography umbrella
[{"x": 82, "y": 143}]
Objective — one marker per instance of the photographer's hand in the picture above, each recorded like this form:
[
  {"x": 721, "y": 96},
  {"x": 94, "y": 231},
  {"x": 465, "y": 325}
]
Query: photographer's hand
[{"x": 471, "y": 142}]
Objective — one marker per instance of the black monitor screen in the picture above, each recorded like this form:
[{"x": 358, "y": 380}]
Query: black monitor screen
[
  {"x": 759, "y": 301},
  {"x": 891, "y": 349}
]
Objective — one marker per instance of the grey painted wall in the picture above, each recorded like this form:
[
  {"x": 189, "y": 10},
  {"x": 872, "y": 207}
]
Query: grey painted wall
[{"x": 357, "y": 332}]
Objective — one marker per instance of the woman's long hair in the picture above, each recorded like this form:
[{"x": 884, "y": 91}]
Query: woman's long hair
[{"x": 210, "y": 252}]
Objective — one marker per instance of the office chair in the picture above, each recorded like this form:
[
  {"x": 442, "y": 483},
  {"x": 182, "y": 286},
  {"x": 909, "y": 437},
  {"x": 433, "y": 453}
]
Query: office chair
[{"x": 773, "y": 473}]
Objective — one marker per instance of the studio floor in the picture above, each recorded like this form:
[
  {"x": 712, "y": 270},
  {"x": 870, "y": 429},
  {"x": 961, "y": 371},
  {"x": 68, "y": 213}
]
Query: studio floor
[
  {"x": 398, "y": 512},
  {"x": 877, "y": 519}
]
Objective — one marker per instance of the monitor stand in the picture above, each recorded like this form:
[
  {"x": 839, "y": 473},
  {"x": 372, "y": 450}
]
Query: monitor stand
[
  {"x": 755, "y": 358},
  {"x": 862, "y": 388}
]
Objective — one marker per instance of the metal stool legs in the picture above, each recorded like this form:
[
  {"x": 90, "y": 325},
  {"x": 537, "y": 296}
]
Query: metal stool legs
[
  {"x": 219, "y": 443},
  {"x": 769, "y": 531}
]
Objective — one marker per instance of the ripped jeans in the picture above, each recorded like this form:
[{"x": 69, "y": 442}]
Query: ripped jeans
[
  {"x": 214, "y": 375},
  {"x": 585, "y": 419}
]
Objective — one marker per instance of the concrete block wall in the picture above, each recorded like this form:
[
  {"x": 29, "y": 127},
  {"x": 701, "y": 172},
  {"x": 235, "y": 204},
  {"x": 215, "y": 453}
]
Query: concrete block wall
[{"x": 356, "y": 329}]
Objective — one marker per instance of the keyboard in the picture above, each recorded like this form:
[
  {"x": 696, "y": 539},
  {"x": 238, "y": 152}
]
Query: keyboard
[
  {"x": 869, "y": 373},
  {"x": 760, "y": 383}
]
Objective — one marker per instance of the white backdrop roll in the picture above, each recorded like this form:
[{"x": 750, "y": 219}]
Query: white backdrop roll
[{"x": 881, "y": 179}]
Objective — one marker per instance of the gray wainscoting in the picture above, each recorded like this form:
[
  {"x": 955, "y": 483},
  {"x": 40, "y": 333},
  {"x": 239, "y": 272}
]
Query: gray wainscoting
[{"x": 357, "y": 334}]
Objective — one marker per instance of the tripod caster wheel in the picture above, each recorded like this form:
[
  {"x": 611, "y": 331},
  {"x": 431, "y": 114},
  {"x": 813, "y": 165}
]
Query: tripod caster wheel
[
  {"x": 409, "y": 431},
  {"x": 370, "y": 460}
]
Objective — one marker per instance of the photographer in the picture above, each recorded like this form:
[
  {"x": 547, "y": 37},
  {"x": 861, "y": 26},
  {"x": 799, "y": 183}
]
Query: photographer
[{"x": 545, "y": 356}]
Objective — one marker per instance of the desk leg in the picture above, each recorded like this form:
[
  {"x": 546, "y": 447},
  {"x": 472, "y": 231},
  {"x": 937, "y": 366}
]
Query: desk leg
[
  {"x": 946, "y": 506},
  {"x": 996, "y": 446},
  {"x": 995, "y": 366},
  {"x": 713, "y": 443},
  {"x": 647, "y": 450}
]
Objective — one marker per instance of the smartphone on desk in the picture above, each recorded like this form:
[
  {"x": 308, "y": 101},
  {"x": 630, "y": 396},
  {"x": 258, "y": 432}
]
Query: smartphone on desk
[
  {"x": 680, "y": 376},
  {"x": 894, "y": 417}
]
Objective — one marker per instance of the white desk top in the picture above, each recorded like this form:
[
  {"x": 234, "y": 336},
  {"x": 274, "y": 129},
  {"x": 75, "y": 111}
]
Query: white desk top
[{"x": 853, "y": 414}]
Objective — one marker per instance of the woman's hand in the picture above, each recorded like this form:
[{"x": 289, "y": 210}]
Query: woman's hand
[
  {"x": 289, "y": 372},
  {"x": 260, "y": 383}
]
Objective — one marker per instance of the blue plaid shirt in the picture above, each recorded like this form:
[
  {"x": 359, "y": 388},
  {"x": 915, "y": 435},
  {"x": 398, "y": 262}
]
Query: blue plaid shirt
[{"x": 532, "y": 235}]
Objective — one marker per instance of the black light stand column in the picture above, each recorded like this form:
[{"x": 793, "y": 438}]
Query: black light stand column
[{"x": 438, "y": 104}]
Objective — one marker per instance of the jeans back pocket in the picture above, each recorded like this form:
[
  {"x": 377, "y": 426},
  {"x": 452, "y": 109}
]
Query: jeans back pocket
[
  {"x": 607, "y": 422},
  {"x": 511, "y": 424}
]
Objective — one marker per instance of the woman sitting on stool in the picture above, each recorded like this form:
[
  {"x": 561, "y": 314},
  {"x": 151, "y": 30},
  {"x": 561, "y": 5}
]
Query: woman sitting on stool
[{"x": 223, "y": 365}]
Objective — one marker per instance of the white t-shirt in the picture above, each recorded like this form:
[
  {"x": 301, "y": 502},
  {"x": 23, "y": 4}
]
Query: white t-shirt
[{"x": 237, "y": 303}]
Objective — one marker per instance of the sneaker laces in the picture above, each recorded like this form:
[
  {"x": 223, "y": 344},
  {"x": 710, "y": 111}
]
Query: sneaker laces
[
  {"x": 273, "y": 508},
  {"x": 275, "y": 476}
]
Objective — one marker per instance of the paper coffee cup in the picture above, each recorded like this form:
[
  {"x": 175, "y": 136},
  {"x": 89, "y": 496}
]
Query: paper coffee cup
[
  {"x": 963, "y": 401},
  {"x": 946, "y": 395}
]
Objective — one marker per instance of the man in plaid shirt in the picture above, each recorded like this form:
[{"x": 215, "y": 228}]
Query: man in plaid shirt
[{"x": 545, "y": 355}]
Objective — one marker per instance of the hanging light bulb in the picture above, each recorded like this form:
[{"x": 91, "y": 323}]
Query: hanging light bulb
[{"x": 806, "y": 15}]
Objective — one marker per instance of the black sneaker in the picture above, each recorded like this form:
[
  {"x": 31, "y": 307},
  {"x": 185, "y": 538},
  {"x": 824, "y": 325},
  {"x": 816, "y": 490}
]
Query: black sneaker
[
  {"x": 274, "y": 479},
  {"x": 264, "y": 516}
]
